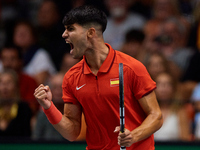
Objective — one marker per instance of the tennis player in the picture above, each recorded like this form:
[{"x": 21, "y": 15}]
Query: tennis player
[{"x": 92, "y": 87}]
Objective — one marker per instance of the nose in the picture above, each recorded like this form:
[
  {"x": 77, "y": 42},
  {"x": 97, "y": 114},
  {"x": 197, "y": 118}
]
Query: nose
[{"x": 65, "y": 34}]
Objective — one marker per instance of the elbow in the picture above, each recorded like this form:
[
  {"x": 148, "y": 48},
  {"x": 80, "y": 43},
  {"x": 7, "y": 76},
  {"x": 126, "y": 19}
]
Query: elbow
[
  {"x": 159, "y": 120},
  {"x": 72, "y": 137}
]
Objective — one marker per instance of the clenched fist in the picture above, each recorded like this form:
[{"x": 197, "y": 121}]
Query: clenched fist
[{"x": 43, "y": 95}]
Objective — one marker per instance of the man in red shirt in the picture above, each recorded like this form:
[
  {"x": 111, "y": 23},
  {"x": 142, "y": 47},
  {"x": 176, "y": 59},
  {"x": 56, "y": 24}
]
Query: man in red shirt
[{"x": 91, "y": 87}]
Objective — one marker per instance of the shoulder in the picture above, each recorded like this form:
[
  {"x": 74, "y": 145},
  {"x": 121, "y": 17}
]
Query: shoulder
[{"x": 129, "y": 62}]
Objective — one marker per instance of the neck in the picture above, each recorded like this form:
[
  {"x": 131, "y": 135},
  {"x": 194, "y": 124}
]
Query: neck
[{"x": 96, "y": 56}]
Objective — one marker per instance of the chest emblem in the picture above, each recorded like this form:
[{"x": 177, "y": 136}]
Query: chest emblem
[
  {"x": 78, "y": 88},
  {"x": 114, "y": 82}
]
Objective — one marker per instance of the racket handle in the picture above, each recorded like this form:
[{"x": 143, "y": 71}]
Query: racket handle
[{"x": 122, "y": 148}]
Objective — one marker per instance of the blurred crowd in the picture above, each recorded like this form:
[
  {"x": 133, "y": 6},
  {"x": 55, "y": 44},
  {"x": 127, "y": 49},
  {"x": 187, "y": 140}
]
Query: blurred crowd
[{"x": 163, "y": 34}]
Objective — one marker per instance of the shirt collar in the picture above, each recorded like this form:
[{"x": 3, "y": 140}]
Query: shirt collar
[{"x": 106, "y": 64}]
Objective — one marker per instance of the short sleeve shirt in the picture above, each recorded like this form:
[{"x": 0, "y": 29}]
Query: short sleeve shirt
[{"x": 99, "y": 97}]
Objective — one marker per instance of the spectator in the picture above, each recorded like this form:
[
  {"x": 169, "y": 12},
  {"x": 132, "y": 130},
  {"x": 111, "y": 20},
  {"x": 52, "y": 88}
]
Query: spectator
[
  {"x": 11, "y": 57},
  {"x": 176, "y": 125},
  {"x": 120, "y": 21},
  {"x": 152, "y": 30},
  {"x": 133, "y": 45},
  {"x": 50, "y": 31},
  {"x": 174, "y": 47},
  {"x": 15, "y": 115},
  {"x": 164, "y": 9},
  {"x": 37, "y": 62},
  {"x": 157, "y": 63}
]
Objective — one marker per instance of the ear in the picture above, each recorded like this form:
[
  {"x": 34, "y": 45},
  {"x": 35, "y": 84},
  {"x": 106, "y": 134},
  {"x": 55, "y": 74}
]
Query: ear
[{"x": 91, "y": 32}]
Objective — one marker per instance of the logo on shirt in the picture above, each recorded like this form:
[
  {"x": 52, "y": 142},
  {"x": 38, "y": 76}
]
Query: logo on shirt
[
  {"x": 114, "y": 82},
  {"x": 78, "y": 88}
]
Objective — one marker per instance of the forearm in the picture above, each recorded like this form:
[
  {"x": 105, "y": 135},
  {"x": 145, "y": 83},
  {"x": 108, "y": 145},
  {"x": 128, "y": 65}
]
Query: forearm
[
  {"x": 69, "y": 124},
  {"x": 151, "y": 124},
  {"x": 68, "y": 128}
]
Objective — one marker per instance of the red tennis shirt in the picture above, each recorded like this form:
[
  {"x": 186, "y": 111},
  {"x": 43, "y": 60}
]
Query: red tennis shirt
[{"x": 99, "y": 97}]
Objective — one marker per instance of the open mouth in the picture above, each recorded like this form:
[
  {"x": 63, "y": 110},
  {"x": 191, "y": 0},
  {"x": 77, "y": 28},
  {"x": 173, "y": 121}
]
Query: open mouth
[{"x": 71, "y": 45}]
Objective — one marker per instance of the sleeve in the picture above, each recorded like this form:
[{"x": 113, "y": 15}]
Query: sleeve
[
  {"x": 68, "y": 96},
  {"x": 141, "y": 84}
]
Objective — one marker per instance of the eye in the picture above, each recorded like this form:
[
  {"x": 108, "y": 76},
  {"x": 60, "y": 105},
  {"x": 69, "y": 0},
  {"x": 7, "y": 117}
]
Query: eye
[{"x": 70, "y": 28}]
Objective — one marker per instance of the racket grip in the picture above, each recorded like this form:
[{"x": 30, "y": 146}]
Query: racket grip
[{"x": 122, "y": 148}]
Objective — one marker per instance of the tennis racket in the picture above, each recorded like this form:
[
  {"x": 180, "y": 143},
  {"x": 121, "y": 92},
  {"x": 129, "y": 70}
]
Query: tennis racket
[{"x": 121, "y": 101}]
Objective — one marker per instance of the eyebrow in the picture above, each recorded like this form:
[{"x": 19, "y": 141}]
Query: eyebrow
[{"x": 69, "y": 26}]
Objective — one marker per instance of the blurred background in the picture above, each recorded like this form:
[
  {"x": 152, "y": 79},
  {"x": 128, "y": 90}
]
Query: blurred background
[{"x": 163, "y": 34}]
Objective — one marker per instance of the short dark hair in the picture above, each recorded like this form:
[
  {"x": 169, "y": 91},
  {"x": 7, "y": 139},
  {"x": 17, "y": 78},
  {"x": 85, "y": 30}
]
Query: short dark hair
[
  {"x": 84, "y": 15},
  {"x": 14, "y": 47},
  {"x": 134, "y": 35}
]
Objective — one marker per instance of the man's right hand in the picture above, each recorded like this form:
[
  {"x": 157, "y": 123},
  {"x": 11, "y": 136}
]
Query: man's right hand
[{"x": 43, "y": 95}]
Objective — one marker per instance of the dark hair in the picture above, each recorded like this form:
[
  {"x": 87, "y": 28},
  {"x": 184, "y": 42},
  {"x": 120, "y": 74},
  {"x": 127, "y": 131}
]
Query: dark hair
[
  {"x": 84, "y": 15},
  {"x": 14, "y": 47},
  {"x": 135, "y": 35}
]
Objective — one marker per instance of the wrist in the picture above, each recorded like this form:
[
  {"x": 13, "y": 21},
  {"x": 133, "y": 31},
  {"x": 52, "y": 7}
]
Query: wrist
[
  {"x": 135, "y": 135},
  {"x": 53, "y": 114},
  {"x": 47, "y": 106}
]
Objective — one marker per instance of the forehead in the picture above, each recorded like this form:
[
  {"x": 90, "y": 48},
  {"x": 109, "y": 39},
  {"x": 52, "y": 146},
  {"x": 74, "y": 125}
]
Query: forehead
[{"x": 9, "y": 51}]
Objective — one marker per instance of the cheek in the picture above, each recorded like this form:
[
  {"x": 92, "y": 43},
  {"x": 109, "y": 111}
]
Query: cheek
[
  {"x": 23, "y": 39},
  {"x": 11, "y": 88},
  {"x": 80, "y": 45}
]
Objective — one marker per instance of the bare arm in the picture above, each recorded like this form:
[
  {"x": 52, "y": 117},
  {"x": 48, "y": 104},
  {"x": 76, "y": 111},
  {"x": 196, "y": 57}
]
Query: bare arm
[
  {"x": 151, "y": 124},
  {"x": 70, "y": 124},
  {"x": 153, "y": 121}
]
